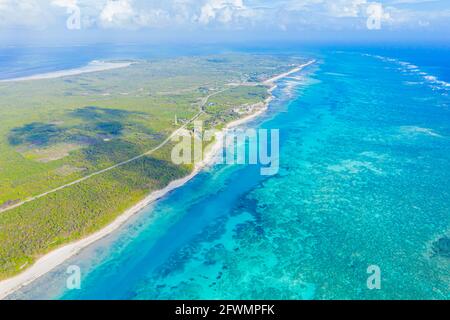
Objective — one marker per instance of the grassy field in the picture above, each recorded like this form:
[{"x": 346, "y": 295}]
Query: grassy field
[{"x": 56, "y": 131}]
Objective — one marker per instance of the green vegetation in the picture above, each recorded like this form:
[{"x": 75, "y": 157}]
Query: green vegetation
[
  {"x": 233, "y": 103},
  {"x": 56, "y": 131}
]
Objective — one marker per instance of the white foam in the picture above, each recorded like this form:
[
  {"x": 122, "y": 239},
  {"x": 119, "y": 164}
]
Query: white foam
[
  {"x": 430, "y": 78},
  {"x": 414, "y": 130},
  {"x": 409, "y": 67}
]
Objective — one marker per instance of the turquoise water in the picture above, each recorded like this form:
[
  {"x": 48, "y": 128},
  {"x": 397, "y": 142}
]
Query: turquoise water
[{"x": 365, "y": 166}]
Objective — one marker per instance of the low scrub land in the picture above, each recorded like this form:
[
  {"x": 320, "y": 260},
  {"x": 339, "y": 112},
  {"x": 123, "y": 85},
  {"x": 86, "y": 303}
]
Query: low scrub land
[{"x": 56, "y": 131}]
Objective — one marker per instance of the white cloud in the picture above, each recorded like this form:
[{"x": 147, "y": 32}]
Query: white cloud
[
  {"x": 346, "y": 8},
  {"x": 229, "y": 14},
  {"x": 131, "y": 14},
  {"x": 23, "y": 13},
  {"x": 65, "y": 3},
  {"x": 411, "y": 19},
  {"x": 223, "y": 11},
  {"x": 116, "y": 12}
]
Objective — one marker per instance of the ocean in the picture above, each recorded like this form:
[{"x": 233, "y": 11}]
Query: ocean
[{"x": 363, "y": 182}]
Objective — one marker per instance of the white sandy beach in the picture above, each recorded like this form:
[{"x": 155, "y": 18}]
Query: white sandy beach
[
  {"x": 286, "y": 74},
  {"x": 55, "y": 258},
  {"x": 94, "y": 66}
]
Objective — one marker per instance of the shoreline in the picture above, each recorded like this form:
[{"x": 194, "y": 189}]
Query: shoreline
[
  {"x": 58, "y": 256},
  {"x": 286, "y": 74},
  {"x": 93, "y": 66}
]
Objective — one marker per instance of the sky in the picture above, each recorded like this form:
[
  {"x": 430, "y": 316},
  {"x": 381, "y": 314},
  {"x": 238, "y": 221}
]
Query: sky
[{"x": 185, "y": 20}]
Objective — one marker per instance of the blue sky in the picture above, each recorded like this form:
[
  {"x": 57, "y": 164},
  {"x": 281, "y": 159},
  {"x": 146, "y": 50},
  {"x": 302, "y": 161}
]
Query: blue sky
[{"x": 241, "y": 18}]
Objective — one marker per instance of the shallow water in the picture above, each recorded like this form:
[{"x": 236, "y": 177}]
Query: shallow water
[{"x": 365, "y": 165}]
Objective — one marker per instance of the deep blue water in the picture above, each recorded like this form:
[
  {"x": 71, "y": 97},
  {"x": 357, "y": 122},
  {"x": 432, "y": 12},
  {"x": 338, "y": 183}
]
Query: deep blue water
[{"x": 365, "y": 165}]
